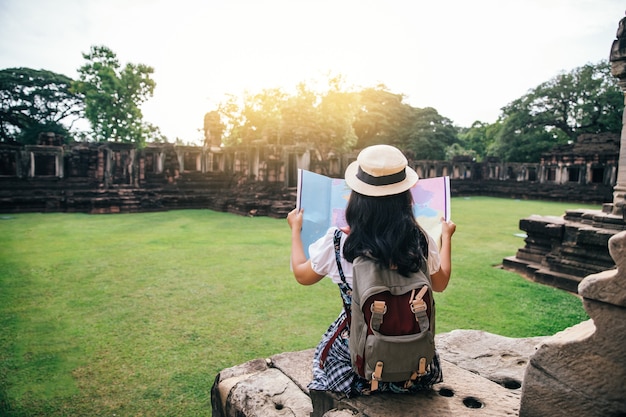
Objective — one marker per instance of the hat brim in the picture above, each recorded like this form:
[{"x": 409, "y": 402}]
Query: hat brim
[{"x": 361, "y": 187}]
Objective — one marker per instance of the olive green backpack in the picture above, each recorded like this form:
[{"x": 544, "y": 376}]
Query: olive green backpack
[{"x": 392, "y": 324}]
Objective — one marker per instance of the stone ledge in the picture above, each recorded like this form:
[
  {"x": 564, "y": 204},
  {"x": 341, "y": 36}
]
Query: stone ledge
[{"x": 278, "y": 386}]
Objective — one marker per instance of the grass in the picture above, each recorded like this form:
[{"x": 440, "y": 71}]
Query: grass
[
  {"x": 135, "y": 314},
  {"x": 483, "y": 296}
]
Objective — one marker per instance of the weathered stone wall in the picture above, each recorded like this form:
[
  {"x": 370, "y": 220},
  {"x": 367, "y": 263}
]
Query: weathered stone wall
[
  {"x": 527, "y": 190},
  {"x": 259, "y": 179}
]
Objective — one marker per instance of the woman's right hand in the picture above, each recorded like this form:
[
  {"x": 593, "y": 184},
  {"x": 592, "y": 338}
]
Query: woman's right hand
[{"x": 447, "y": 228}]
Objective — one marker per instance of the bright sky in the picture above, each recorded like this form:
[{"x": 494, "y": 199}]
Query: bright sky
[{"x": 467, "y": 59}]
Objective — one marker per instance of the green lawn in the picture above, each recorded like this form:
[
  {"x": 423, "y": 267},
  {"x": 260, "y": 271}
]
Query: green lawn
[{"x": 135, "y": 314}]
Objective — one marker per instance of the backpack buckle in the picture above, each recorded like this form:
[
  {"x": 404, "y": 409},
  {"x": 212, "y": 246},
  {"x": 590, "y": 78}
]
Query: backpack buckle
[
  {"x": 376, "y": 375},
  {"x": 378, "y": 309},
  {"x": 418, "y": 305}
]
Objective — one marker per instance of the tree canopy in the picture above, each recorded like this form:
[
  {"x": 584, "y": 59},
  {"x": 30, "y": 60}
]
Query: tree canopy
[
  {"x": 333, "y": 119},
  {"x": 113, "y": 95},
  {"x": 275, "y": 117},
  {"x": 337, "y": 120},
  {"x": 383, "y": 117},
  {"x": 36, "y": 101},
  {"x": 429, "y": 134},
  {"x": 584, "y": 100}
]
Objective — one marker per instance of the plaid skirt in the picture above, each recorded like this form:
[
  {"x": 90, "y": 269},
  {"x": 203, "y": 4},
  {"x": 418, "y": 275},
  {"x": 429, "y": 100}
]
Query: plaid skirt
[{"x": 335, "y": 372}]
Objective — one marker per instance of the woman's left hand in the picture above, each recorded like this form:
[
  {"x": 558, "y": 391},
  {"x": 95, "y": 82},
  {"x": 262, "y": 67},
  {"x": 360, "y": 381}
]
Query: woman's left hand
[{"x": 295, "y": 219}]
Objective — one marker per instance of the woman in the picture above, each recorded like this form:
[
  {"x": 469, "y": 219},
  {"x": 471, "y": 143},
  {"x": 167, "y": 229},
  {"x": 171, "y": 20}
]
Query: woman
[{"x": 381, "y": 225}]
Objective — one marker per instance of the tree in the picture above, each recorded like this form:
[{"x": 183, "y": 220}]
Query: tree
[
  {"x": 429, "y": 134},
  {"x": 262, "y": 113},
  {"x": 335, "y": 113},
  {"x": 300, "y": 117},
  {"x": 229, "y": 112},
  {"x": 323, "y": 119},
  {"x": 34, "y": 102},
  {"x": 113, "y": 96},
  {"x": 336, "y": 120},
  {"x": 585, "y": 100},
  {"x": 253, "y": 117},
  {"x": 382, "y": 117},
  {"x": 478, "y": 139},
  {"x": 456, "y": 150}
]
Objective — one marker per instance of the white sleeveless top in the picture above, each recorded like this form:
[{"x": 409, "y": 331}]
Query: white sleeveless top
[{"x": 322, "y": 255}]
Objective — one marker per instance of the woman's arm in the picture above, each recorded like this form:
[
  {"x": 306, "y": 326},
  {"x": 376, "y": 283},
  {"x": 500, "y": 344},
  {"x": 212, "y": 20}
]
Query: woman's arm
[
  {"x": 301, "y": 266},
  {"x": 441, "y": 278}
]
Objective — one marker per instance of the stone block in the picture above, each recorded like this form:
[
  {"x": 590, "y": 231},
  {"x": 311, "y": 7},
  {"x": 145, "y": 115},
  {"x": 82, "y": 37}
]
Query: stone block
[
  {"x": 573, "y": 375},
  {"x": 482, "y": 376},
  {"x": 463, "y": 393},
  {"x": 581, "y": 371},
  {"x": 498, "y": 358}
]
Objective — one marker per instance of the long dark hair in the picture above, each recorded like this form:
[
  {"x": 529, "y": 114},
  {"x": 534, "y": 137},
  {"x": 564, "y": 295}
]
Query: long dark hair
[{"x": 385, "y": 229}]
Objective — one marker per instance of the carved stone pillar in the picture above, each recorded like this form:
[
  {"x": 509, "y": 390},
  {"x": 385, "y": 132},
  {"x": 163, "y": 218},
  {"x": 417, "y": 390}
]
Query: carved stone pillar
[{"x": 618, "y": 69}]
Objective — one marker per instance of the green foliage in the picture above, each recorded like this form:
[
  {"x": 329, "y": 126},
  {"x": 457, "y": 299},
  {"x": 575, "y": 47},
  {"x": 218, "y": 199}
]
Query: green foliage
[
  {"x": 584, "y": 100},
  {"x": 479, "y": 138},
  {"x": 36, "y": 101},
  {"x": 336, "y": 120},
  {"x": 483, "y": 296},
  {"x": 383, "y": 118},
  {"x": 429, "y": 135},
  {"x": 135, "y": 314},
  {"x": 113, "y": 96},
  {"x": 456, "y": 150},
  {"x": 337, "y": 110},
  {"x": 275, "y": 117}
]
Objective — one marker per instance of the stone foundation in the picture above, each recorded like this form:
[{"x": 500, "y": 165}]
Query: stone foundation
[
  {"x": 482, "y": 376},
  {"x": 561, "y": 251}
]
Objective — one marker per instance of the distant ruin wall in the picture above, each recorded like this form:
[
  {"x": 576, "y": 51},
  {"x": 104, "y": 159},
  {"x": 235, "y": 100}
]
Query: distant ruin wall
[
  {"x": 221, "y": 193},
  {"x": 261, "y": 179},
  {"x": 547, "y": 191}
]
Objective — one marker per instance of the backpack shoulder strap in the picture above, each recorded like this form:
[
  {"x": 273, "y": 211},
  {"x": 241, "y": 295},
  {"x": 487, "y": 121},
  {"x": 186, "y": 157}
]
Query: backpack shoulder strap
[
  {"x": 337, "y": 243},
  {"x": 344, "y": 287},
  {"x": 346, "y": 291}
]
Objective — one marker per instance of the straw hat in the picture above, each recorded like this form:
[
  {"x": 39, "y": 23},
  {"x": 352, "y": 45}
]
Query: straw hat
[{"x": 380, "y": 170}]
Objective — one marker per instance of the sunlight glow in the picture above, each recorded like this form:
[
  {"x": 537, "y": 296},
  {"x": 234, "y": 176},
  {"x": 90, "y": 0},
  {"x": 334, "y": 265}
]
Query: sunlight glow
[{"x": 465, "y": 59}]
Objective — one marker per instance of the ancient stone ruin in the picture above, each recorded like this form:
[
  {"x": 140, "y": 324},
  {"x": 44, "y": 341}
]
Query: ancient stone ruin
[
  {"x": 580, "y": 371},
  {"x": 260, "y": 179},
  {"x": 560, "y": 251}
]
